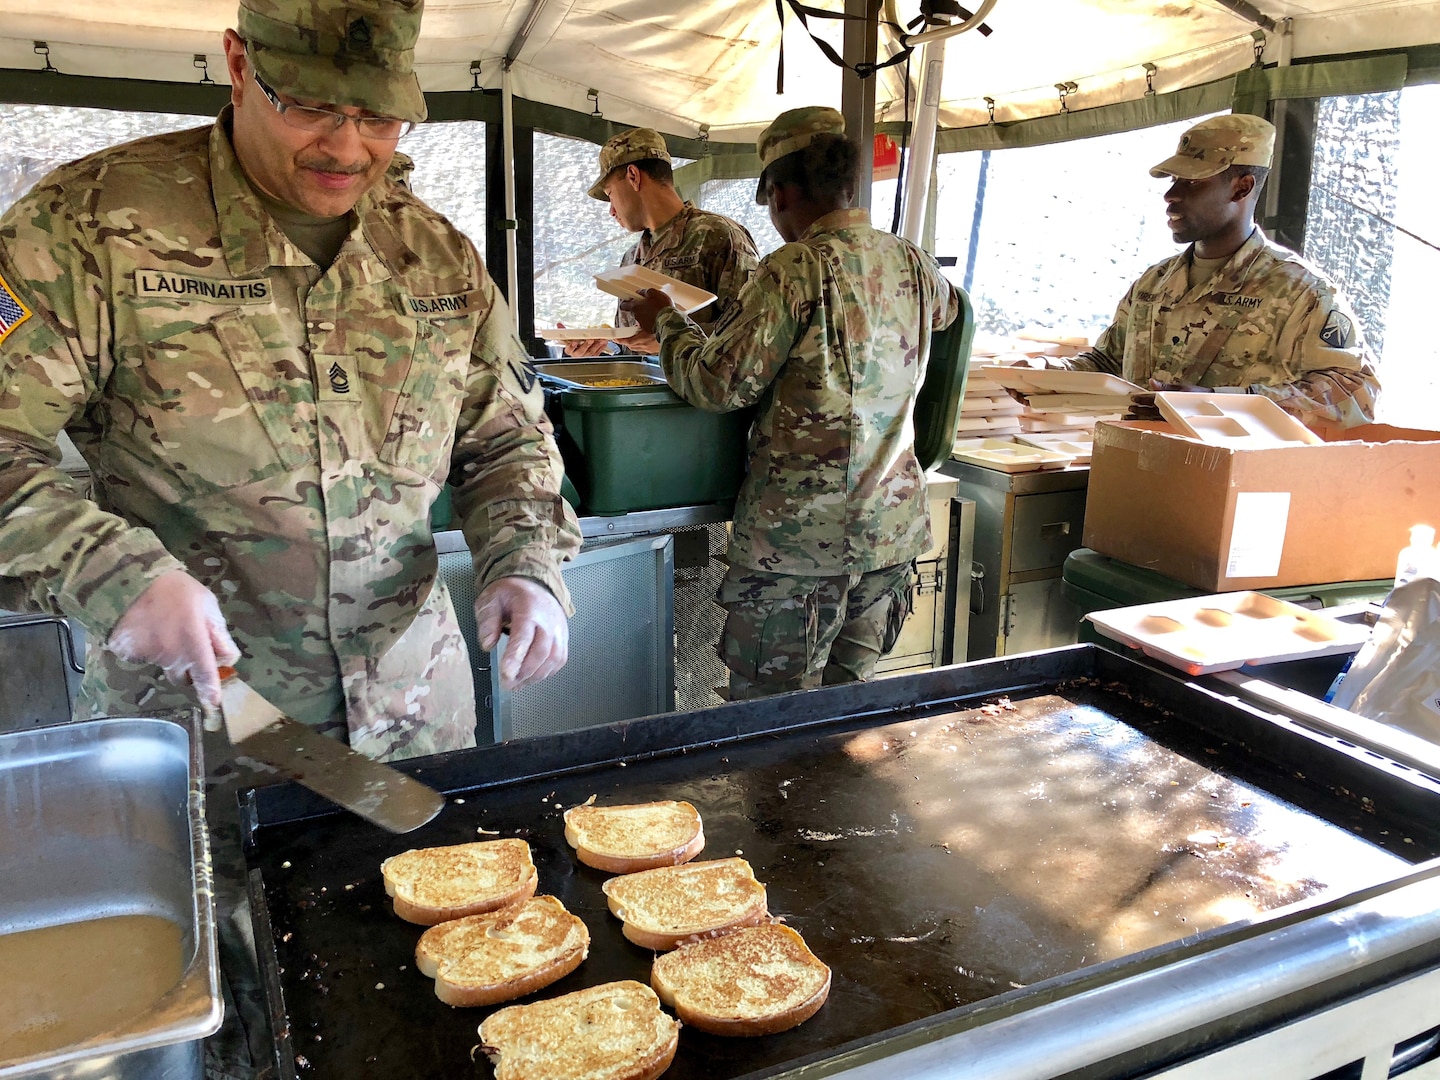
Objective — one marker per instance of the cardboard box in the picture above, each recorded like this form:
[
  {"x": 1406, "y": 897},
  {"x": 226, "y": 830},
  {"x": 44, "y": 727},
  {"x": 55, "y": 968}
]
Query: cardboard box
[{"x": 1225, "y": 520}]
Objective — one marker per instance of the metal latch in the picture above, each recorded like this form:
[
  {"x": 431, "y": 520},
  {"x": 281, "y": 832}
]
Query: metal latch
[{"x": 977, "y": 589}]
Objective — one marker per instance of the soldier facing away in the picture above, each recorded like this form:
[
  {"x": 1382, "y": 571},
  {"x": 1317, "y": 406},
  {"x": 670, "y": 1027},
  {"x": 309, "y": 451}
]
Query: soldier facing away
[
  {"x": 677, "y": 238},
  {"x": 272, "y": 356},
  {"x": 830, "y": 338},
  {"x": 1234, "y": 311}
]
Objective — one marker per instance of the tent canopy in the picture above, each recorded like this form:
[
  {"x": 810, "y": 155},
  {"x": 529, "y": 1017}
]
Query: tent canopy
[{"x": 679, "y": 65}]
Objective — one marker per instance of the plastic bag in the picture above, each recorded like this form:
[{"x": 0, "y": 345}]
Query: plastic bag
[{"x": 1395, "y": 678}]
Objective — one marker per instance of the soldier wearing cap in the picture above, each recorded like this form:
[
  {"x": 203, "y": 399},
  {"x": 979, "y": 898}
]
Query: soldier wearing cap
[
  {"x": 273, "y": 356},
  {"x": 701, "y": 248},
  {"x": 1235, "y": 312},
  {"x": 830, "y": 340}
]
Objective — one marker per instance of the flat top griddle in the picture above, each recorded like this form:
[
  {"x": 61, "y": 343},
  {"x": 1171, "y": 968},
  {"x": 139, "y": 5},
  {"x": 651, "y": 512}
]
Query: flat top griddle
[{"x": 964, "y": 839}]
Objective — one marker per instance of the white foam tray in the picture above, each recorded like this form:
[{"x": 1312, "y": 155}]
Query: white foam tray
[
  {"x": 627, "y": 281},
  {"x": 1034, "y": 381},
  {"x": 1239, "y": 421},
  {"x": 1079, "y": 449},
  {"x": 981, "y": 425},
  {"x": 1007, "y": 456},
  {"x": 1227, "y": 631},
  {"x": 585, "y": 333}
]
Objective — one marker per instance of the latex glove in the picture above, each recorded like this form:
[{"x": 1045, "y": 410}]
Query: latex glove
[
  {"x": 539, "y": 632},
  {"x": 176, "y": 625},
  {"x": 646, "y": 308}
]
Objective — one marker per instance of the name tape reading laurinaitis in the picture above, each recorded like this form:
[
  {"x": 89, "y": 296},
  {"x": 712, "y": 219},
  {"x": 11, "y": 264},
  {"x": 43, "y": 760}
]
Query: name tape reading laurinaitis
[{"x": 174, "y": 286}]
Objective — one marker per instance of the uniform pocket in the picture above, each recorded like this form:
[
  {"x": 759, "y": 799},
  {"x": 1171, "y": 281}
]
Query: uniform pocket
[
  {"x": 421, "y": 432},
  {"x": 226, "y": 408},
  {"x": 771, "y": 642},
  {"x": 902, "y": 602}
]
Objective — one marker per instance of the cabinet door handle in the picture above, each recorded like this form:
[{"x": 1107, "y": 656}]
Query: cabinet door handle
[{"x": 1054, "y": 529}]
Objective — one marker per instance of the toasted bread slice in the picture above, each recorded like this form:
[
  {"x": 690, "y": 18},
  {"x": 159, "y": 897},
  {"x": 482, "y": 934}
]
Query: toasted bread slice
[
  {"x": 637, "y": 836},
  {"x": 666, "y": 907},
  {"x": 505, "y": 954},
  {"x": 754, "y": 981},
  {"x": 614, "y": 1031},
  {"x": 434, "y": 885}
]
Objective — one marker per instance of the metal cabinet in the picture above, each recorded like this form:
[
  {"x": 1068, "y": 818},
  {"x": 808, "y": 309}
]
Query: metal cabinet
[
  {"x": 1025, "y": 525},
  {"x": 622, "y": 662},
  {"x": 936, "y": 622},
  {"x": 41, "y": 661}
]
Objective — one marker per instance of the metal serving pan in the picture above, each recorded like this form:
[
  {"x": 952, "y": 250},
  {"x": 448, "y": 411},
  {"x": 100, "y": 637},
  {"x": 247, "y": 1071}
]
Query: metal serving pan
[
  {"x": 571, "y": 373},
  {"x": 106, "y": 818},
  {"x": 1013, "y": 868}
]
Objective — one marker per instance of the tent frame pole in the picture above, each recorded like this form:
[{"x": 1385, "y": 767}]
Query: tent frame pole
[{"x": 857, "y": 95}]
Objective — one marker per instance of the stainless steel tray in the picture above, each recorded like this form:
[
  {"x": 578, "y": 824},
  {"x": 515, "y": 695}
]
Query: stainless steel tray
[
  {"x": 570, "y": 373},
  {"x": 106, "y": 818}
]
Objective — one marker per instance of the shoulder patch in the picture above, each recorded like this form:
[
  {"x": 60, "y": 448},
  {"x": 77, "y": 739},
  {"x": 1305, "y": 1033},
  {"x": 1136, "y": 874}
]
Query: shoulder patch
[
  {"x": 1337, "y": 330},
  {"x": 13, "y": 311}
]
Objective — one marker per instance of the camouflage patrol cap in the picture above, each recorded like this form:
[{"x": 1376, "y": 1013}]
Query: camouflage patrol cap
[
  {"x": 1212, "y": 146},
  {"x": 340, "y": 52},
  {"x": 793, "y": 130},
  {"x": 637, "y": 144}
]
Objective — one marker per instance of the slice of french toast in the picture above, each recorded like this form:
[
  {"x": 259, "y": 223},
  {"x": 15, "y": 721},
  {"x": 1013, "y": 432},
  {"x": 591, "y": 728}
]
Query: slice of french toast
[
  {"x": 614, "y": 1031},
  {"x": 636, "y": 836},
  {"x": 668, "y": 906},
  {"x": 754, "y": 981},
  {"x": 434, "y": 885},
  {"x": 502, "y": 955}
]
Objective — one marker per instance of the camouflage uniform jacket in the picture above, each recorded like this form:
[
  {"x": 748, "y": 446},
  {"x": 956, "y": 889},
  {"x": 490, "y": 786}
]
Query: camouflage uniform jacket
[
  {"x": 278, "y": 431},
  {"x": 1266, "y": 320},
  {"x": 702, "y": 249},
  {"x": 830, "y": 337}
]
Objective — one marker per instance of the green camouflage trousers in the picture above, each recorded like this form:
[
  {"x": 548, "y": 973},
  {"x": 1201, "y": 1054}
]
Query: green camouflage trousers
[{"x": 794, "y": 633}]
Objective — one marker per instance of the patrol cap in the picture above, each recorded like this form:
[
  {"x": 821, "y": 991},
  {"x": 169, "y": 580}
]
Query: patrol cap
[
  {"x": 1212, "y": 146},
  {"x": 637, "y": 144},
  {"x": 793, "y": 130},
  {"x": 340, "y": 52}
]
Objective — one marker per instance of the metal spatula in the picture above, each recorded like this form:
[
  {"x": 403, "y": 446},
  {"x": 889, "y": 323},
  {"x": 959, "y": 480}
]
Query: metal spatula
[{"x": 376, "y": 792}]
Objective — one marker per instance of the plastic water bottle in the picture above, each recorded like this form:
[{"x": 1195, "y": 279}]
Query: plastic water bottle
[{"x": 1417, "y": 558}]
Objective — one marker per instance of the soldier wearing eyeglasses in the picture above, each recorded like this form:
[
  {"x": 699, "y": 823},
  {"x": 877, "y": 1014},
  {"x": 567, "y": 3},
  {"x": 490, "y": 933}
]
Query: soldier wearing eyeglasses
[{"x": 273, "y": 356}]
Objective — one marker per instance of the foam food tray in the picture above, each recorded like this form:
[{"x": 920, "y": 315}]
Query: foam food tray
[
  {"x": 1202, "y": 634},
  {"x": 585, "y": 333},
  {"x": 1034, "y": 381},
  {"x": 627, "y": 281},
  {"x": 1007, "y": 456},
  {"x": 1239, "y": 421}
]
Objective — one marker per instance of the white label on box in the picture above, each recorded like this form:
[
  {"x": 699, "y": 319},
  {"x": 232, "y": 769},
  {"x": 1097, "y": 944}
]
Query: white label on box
[
  {"x": 1433, "y": 702},
  {"x": 1258, "y": 537}
]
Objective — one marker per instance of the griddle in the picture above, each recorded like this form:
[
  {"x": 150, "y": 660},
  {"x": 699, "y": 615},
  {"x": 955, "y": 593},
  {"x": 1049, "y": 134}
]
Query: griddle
[{"x": 957, "y": 845}]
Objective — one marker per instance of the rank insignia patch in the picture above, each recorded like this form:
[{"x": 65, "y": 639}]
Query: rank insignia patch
[
  {"x": 13, "y": 311},
  {"x": 1337, "y": 330}
]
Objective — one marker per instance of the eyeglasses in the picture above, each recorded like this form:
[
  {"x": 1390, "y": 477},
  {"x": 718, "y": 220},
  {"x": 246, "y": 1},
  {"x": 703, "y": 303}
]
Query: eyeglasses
[{"x": 327, "y": 121}]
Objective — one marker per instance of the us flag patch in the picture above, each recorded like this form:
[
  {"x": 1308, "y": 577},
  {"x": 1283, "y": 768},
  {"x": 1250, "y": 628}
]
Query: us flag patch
[{"x": 12, "y": 311}]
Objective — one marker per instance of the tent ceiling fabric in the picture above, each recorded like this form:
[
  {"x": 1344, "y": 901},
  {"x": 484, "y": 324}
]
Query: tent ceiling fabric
[{"x": 678, "y": 65}]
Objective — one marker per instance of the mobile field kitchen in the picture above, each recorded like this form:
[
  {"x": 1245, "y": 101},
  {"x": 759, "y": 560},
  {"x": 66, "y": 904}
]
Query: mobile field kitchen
[{"x": 1099, "y": 816}]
